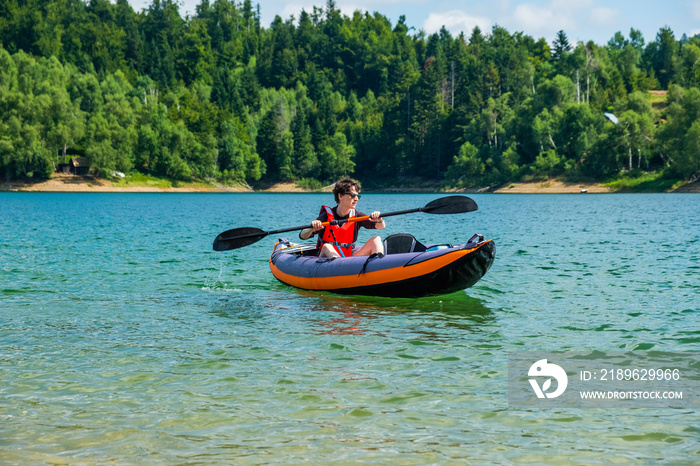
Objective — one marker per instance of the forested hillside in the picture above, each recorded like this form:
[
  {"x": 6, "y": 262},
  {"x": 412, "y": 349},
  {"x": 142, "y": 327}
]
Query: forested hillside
[{"x": 221, "y": 96}]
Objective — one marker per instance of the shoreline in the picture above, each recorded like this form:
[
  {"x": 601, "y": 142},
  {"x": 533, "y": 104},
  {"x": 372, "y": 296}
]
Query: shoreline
[
  {"x": 553, "y": 187},
  {"x": 62, "y": 183}
]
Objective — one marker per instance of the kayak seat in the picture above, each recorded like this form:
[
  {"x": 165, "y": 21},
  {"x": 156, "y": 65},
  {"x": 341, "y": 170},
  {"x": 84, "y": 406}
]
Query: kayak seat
[{"x": 401, "y": 243}]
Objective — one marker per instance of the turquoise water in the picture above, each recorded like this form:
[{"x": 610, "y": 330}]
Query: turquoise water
[{"x": 125, "y": 339}]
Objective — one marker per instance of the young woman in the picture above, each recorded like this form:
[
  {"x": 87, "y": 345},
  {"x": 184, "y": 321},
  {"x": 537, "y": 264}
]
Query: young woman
[{"x": 339, "y": 240}]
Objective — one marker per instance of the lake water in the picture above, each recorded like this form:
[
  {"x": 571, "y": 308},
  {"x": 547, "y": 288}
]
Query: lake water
[{"x": 125, "y": 339}]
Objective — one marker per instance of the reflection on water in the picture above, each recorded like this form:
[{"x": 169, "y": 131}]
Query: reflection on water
[
  {"x": 339, "y": 314},
  {"x": 457, "y": 310},
  {"x": 350, "y": 323}
]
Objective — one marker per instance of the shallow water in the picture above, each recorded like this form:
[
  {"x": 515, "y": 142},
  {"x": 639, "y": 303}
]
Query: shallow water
[{"x": 124, "y": 338}]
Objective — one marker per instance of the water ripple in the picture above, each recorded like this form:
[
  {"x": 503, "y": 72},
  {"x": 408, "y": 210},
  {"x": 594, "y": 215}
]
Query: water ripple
[{"x": 126, "y": 340}]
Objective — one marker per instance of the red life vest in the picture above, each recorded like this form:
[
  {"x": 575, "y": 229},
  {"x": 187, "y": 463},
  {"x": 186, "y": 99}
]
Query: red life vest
[{"x": 340, "y": 236}]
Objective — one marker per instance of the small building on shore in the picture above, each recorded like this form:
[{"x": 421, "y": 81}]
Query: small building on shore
[{"x": 75, "y": 166}]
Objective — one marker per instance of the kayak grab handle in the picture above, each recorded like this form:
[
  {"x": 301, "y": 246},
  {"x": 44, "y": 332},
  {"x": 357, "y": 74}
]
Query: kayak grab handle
[{"x": 476, "y": 236}]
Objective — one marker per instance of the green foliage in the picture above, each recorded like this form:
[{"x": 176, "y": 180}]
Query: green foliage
[
  {"x": 548, "y": 163},
  {"x": 140, "y": 179},
  {"x": 467, "y": 167},
  {"x": 679, "y": 138},
  {"x": 236, "y": 156},
  {"x": 638, "y": 181},
  {"x": 311, "y": 184},
  {"x": 216, "y": 95}
]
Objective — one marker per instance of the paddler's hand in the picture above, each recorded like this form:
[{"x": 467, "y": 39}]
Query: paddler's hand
[
  {"x": 376, "y": 217},
  {"x": 316, "y": 226}
]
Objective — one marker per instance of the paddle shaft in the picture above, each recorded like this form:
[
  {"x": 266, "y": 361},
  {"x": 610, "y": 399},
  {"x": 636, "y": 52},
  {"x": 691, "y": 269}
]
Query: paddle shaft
[{"x": 325, "y": 224}]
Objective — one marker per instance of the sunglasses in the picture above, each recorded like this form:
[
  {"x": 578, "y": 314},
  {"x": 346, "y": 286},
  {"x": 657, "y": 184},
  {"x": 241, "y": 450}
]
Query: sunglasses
[{"x": 354, "y": 196}]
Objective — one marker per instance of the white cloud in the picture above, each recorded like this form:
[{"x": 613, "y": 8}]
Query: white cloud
[
  {"x": 529, "y": 16},
  {"x": 552, "y": 17},
  {"x": 568, "y": 5},
  {"x": 456, "y": 21},
  {"x": 603, "y": 16},
  {"x": 503, "y": 6}
]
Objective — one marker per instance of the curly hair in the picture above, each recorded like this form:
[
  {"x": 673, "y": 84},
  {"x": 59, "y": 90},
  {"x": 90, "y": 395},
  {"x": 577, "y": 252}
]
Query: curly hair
[{"x": 344, "y": 186}]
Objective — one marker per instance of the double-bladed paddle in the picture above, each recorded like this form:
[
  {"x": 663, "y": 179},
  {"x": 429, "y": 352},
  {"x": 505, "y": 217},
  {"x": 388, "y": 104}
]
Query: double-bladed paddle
[{"x": 240, "y": 237}]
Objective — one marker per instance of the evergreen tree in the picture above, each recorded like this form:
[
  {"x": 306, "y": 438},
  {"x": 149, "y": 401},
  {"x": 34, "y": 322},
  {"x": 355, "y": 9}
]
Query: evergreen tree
[{"x": 219, "y": 95}]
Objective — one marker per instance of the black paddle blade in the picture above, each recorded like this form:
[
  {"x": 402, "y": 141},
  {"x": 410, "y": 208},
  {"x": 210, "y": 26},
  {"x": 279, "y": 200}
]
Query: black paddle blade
[
  {"x": 237, "y": 238},
  {"x": 450, "y": 205}
]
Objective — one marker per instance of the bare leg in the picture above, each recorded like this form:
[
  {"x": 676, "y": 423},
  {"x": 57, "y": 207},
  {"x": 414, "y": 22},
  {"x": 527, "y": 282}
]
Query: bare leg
[
  {"x": 372, "y": 246},
  {"x": 328, "y": 251}
]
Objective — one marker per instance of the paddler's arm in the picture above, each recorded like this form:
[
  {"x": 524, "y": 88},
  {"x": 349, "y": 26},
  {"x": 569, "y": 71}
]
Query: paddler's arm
[{"x": 306, "y": 233}]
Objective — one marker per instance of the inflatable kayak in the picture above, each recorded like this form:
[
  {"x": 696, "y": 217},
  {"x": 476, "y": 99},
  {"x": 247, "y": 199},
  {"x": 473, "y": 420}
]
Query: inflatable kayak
[{"x": 408, "y": 269}]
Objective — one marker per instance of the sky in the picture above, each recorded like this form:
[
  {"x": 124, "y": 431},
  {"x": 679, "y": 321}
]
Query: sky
[{"x": 581, "y": 20}]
